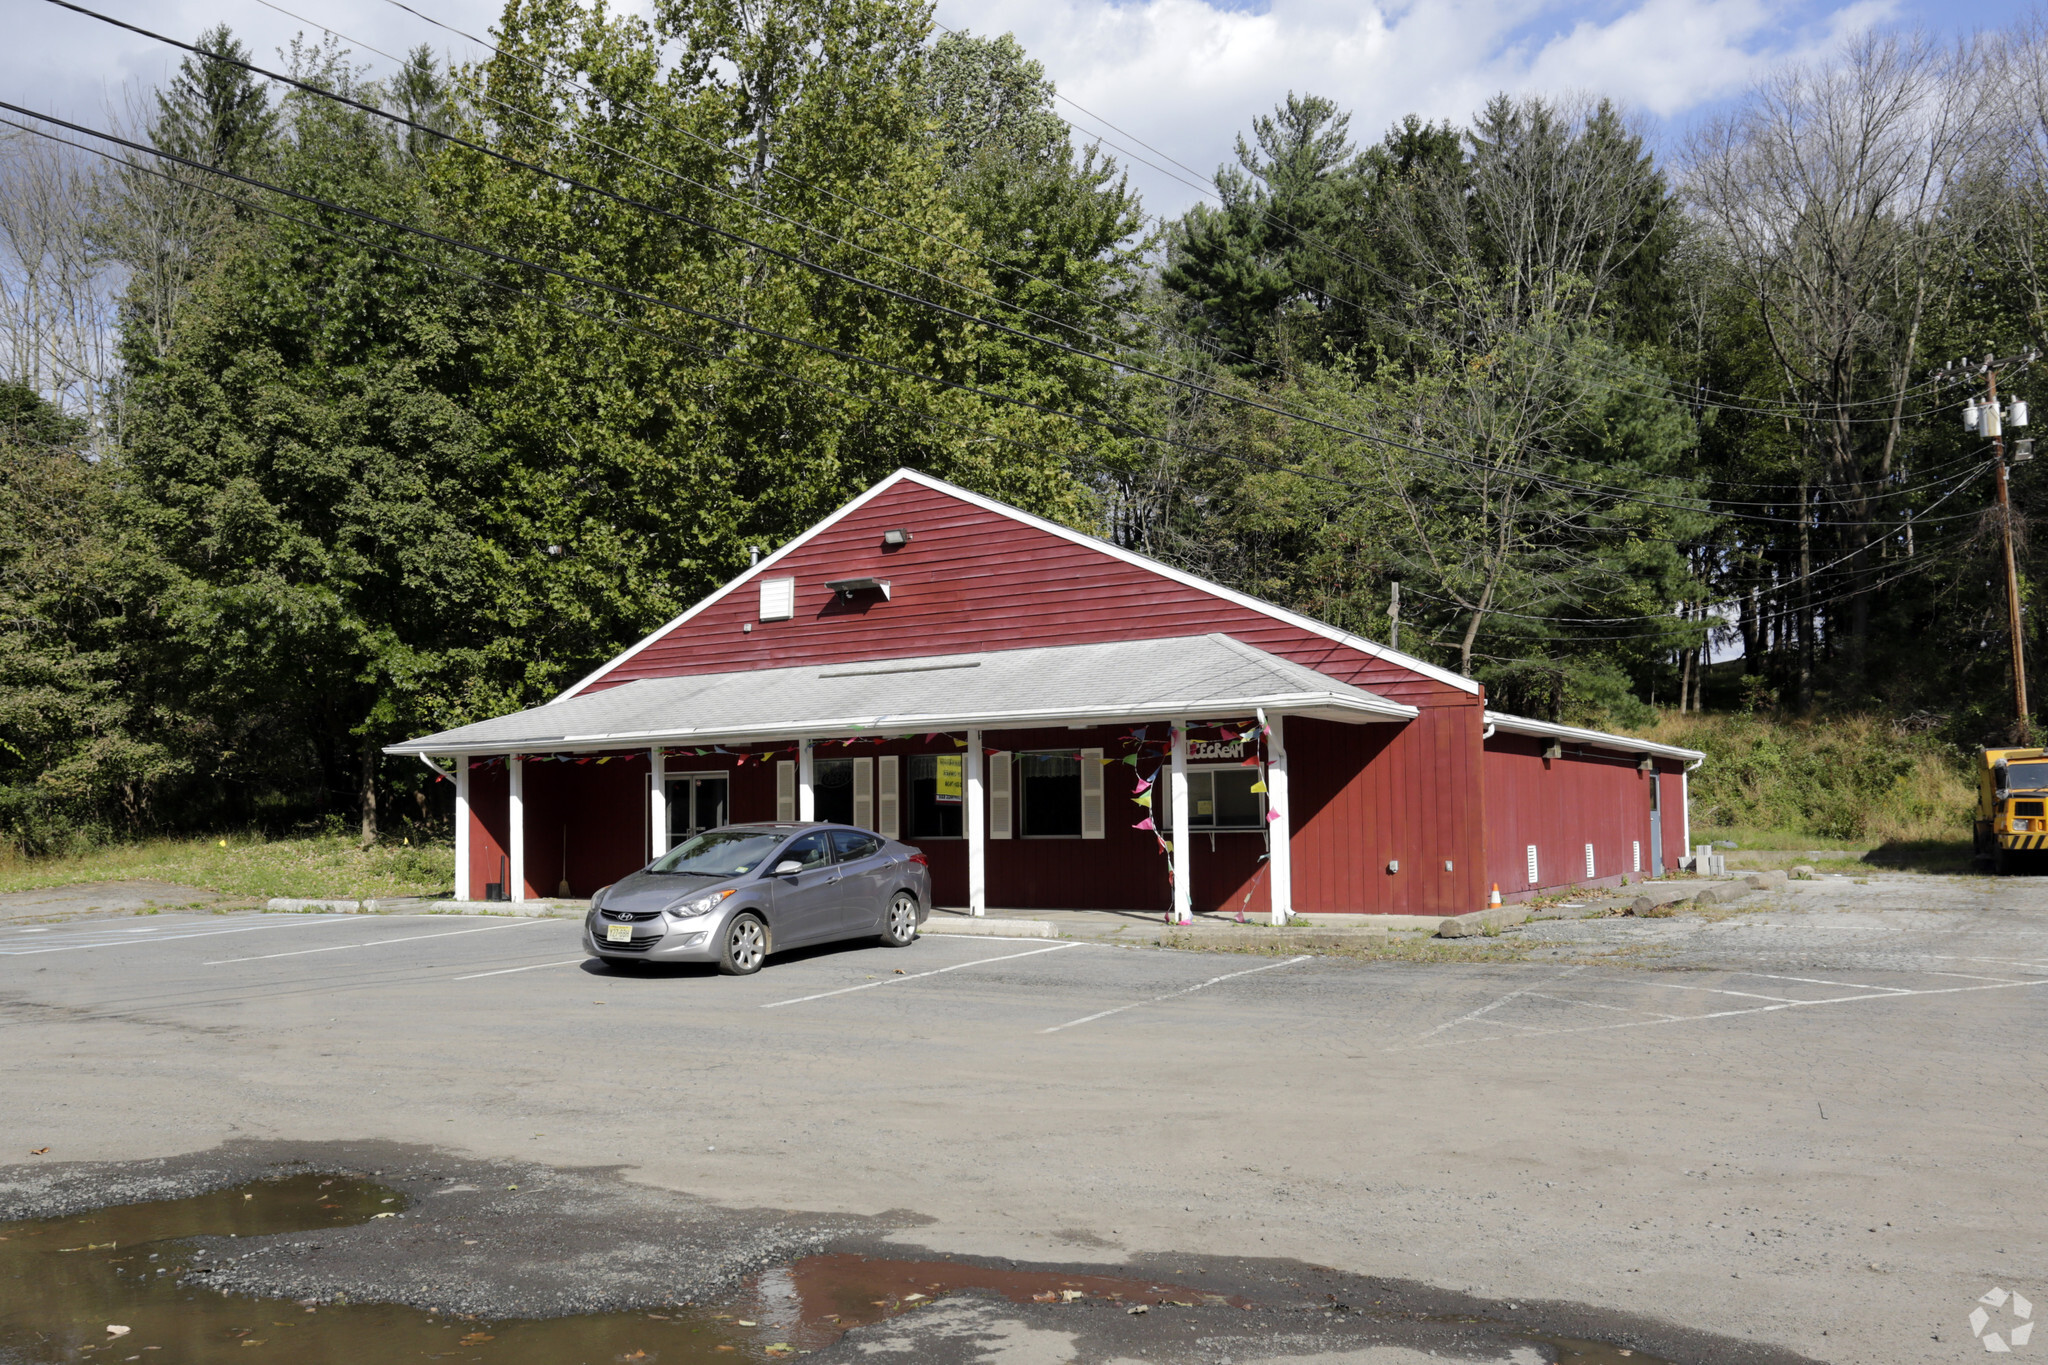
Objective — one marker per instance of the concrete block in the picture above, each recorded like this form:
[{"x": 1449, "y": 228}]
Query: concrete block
[
  {"x": 519, "y": 909},
  {"x": 1479, "y": 921},
  {"x": 1769, "y": 880},
  {"x": 1802, "y": 873}
]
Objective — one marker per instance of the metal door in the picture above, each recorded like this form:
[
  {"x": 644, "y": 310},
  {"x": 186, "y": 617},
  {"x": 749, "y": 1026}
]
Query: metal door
[
  {"x": 806, "y": 903},
  {"x": 865, "y": 877},
  {"x": 1656, "y": 826},
  {"x": 696, "y": 802}
]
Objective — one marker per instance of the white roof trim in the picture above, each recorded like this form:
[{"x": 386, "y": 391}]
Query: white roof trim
[
  {"x": 1328, "y": 632},
  {"x": 1320, "y": 704},
  {"x": 1543, "y": 729}
]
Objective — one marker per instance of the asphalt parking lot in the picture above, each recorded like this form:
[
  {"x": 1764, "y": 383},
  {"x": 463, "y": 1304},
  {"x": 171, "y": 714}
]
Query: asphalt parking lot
[{"x": 1815, "y": 1125}]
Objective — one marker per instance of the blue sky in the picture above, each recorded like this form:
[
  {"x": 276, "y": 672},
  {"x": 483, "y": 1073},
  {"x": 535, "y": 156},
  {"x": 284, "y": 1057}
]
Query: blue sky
[{"x": 1182, "y": 75}]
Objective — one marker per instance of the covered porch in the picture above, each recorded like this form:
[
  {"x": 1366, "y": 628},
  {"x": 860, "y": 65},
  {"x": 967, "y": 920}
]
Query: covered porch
[{"x": 1135, "y": 775}]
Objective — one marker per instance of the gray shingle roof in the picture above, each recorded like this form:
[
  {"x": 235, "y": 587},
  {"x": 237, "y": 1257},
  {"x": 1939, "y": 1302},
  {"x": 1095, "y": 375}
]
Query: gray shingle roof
[{"x": 1195, "y": 676}]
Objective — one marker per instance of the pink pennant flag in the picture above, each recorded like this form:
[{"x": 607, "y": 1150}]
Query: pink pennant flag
[
  {"x": 1144, "y": 785},
  {"x": 1272, "y": 815},
  {"x": 1146, "y": 823},
  {"x": 1229, "y": 735}
]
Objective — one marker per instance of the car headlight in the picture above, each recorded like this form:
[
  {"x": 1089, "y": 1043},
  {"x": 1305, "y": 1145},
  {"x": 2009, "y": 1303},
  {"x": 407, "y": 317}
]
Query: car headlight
[
  {"x": 597, "y": 900},
  {"x": 701, "y": 905}
]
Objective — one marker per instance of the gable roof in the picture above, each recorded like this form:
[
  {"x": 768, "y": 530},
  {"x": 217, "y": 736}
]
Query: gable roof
[
  {"x": 1200, "y": 676},
  {"x": 1342, "y": 638}
]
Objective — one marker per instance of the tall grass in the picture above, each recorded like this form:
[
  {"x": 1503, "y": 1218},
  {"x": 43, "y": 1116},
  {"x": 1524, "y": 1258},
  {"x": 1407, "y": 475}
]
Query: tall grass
[
  {"x": 1862, "y": 779},
  {"x": 246, "y": 866}
]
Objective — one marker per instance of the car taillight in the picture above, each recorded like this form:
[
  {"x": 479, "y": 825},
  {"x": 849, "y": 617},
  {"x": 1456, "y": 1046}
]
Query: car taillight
[{"x": 920, "y": 859}]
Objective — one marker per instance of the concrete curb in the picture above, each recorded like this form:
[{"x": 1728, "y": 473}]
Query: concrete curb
[
  {"x": 1007, "y": 928},
  {"x": 518, "y": 909},
  {"x": 285, "y": 905}
]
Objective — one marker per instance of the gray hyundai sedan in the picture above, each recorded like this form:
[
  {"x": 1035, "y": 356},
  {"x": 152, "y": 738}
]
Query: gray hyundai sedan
[{"x": 734, "y": 894}]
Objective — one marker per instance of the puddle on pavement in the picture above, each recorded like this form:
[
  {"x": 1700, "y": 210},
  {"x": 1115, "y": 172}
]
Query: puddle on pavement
[{"x": 66, "y": 1284}]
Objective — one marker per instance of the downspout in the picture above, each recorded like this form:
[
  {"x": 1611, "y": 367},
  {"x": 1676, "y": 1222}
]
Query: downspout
[
  {"x": 1487, "y": 733},
  {"x": 432, "y": 766}
]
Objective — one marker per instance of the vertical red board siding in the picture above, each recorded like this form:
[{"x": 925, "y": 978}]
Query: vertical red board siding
[
  {"x": 1588, "y": 795},
  {"x": 1367, "y": 796},
  {"x": 489, "y": 829}
]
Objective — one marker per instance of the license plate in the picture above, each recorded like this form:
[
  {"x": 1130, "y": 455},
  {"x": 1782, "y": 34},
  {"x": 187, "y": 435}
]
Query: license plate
[{"x": 618, "y": 933}]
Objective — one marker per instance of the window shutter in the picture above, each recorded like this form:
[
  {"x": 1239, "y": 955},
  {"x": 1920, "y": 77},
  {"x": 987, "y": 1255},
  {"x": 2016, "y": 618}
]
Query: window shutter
[
  {"x": 999, "y": 796},
  {"x": 785, "y": 790},
  {"x": 1589, "y": 862},
  {"x": 888, "y": 823},
  {"x": 1532, "y": 864},
  {"x": 864, "y": 792},
  {"x": 1091, "y": 793},
  {"x": 1639, "y": 855}
]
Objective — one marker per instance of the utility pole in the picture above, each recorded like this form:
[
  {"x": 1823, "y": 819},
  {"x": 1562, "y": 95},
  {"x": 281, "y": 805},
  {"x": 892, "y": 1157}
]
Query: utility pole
[{"x": 1987, "y": 419}]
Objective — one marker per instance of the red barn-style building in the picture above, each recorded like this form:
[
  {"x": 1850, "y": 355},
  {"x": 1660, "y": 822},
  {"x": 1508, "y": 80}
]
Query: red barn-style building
[{"x": 1059, "y": 724}]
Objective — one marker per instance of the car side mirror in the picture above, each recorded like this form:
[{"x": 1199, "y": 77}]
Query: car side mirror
[{"x": 789, "y": 868}]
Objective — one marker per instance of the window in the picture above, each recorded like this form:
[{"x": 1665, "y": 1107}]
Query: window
[
  {"x": 832, "y": 790},
  {"x": 1049, "y": 789},
  {"x": 810, "y": 850},
  {"x": 1218, "y": 799},
  {"x": 720, "y": 853},
  {"x": 937, "y": 785},
  {"x": 850, "y": 845}
]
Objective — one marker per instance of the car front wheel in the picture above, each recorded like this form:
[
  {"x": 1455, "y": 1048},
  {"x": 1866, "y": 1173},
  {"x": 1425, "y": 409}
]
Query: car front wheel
[
  {"x": 746, "y": 944},
  {"x": 900, "y": 925}
]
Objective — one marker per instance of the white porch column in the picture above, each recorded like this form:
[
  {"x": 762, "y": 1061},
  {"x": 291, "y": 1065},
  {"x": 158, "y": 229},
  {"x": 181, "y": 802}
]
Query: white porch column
[
  {"x": 806, "y": 793},
  {"x": 1279, "y": 829},
  {"x": 462, "y": 819},
  {"x": 657, "y": 803},
  {"x": 975, "y": 818},
  {"x": 1177, "y": 797},
  {"x": 515, "y": 820}
]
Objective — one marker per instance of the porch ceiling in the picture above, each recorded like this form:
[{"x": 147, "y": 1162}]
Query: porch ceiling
[{"x": 1194, "y": 676}]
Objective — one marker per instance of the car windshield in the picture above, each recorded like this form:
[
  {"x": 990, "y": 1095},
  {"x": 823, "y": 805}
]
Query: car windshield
[
  {"x": 2026, "y": 777},
  {"x": 718, "y": 853}
]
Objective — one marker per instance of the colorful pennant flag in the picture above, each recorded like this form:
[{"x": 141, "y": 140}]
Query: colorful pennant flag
[{"x": 1146, "y": 823}]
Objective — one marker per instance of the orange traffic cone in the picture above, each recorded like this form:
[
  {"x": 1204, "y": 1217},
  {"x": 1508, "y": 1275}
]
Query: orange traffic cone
[{"x": 1494, "y": 899}]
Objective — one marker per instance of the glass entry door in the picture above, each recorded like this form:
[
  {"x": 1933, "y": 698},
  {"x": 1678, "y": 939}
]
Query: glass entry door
[{"x": 696, "y": 802}]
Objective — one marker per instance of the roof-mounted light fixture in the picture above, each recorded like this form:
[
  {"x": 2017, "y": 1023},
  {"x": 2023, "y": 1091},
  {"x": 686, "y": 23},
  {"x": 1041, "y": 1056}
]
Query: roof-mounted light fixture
[
  {"x": 895, "y": 537},
  {"x": 848, "y": 587}
]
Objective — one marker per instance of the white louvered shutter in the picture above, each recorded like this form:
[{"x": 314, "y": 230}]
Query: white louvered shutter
[
  {"x": 785, "y": 790},
  {"x": 999, "y": 796},
  {"x": 888, "y": 822},
  {"x": 1532, "y": 864},
  {"x": 864, "y": 792},
  {"x": 1639, "y": 855},
  {"x": 1091, "y": 793},
  {"x": 1590, "y": 874}
]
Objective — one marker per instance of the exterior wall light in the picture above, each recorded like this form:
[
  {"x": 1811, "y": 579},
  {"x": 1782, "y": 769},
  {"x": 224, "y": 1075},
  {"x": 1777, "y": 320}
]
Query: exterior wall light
[{"x": 895, "y": 538}]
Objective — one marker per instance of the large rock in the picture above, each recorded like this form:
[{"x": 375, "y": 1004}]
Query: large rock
[{"x": 1767, "y": 881}]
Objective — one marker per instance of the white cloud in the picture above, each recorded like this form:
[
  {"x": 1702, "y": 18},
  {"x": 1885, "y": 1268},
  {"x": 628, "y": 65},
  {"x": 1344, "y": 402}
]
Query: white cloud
[{"x": 1186, "y": 75}]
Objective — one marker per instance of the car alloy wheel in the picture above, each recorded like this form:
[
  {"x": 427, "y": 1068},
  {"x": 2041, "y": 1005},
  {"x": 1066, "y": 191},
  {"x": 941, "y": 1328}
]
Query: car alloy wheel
[
  {"x": 746, "y": 944},
  {"x": 901, "y": 927}
]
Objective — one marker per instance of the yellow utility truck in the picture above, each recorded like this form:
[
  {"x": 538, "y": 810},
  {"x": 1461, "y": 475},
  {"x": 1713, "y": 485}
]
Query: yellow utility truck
[{"x": 2012, "y": 808}]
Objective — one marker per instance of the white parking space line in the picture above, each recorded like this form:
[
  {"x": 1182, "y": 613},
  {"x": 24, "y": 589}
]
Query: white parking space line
[
  {"x": 1468, "y": 1017},
  {"x": 1719, "y": 1014},
  {"x": 374, "y": 943},
  {"x": 1818, "y": 981},
  {"x": 913, "y": 976},
  {"x": 99, "y": 939},
  {"x": 530, "y": 967},
  {"x": 1184, "y": 990},
  {"x": 1596, "y": 1005},
  {"x": 1716, "y": 990}
]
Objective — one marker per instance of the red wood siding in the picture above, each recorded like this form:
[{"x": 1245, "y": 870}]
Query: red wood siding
[
  {"x": 489, "y": 831},
  {"x": 972, "y": 579},
  {"x": 1588, "y": 796},
  {"x": 1672, "y": 773}
]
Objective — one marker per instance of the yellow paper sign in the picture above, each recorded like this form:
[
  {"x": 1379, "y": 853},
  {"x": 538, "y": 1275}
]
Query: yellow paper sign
[{"x": 952, "y": 779}]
